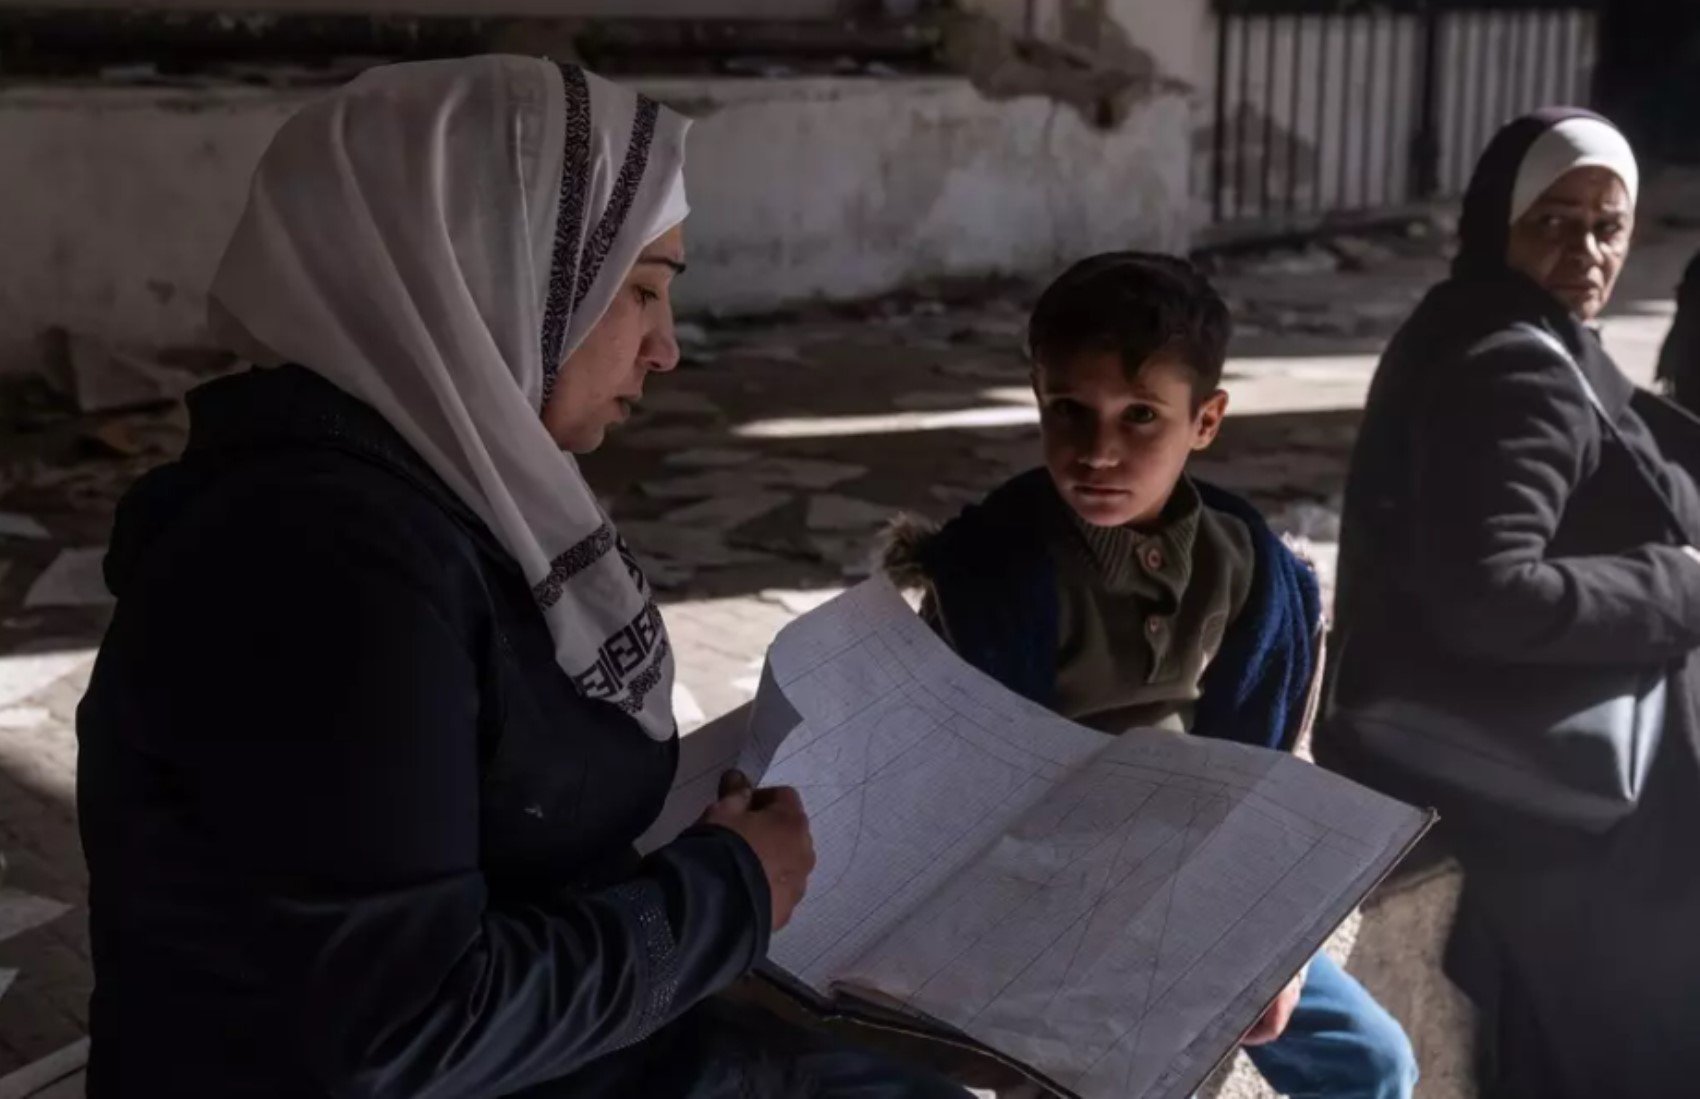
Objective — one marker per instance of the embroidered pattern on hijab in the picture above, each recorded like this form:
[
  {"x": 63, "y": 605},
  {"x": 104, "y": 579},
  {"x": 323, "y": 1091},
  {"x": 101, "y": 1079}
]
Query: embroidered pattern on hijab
[
  {"x": 436, "y": 239},
  {"x": 1522, "y": 160}
]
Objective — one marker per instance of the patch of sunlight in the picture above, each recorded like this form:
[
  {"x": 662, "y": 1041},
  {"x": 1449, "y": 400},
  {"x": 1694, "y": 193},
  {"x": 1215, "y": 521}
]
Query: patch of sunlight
[
  {"x": 25, "y": 674},
  {"x": 887, "y": 423}
]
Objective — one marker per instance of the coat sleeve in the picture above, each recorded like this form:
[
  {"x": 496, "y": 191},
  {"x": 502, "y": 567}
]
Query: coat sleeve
[
  {"x": 1499, "y": 453},
  {"x": 334, "y": 738}
]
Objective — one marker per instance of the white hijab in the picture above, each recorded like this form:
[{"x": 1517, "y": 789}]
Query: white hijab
[{"x": 435, "y": 239}]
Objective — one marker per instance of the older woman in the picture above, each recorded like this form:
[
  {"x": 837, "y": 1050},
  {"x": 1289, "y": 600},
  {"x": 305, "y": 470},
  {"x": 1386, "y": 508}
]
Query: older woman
[
  {"x": 1498, "y": 523},
  {"x": 386, "y": 701}
]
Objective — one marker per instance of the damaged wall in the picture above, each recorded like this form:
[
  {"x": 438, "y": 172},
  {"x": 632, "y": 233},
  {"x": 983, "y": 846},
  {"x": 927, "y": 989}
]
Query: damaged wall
[{"x": 120, "y": 199}]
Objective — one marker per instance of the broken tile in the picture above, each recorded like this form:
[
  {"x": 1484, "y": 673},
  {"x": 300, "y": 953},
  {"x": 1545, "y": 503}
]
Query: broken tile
[
  {"x": 25, "y": 674},
  {"x": 854, "y": 556},
  {"x": 672, "y": 437},
  {"x": 800, "y": 602},
  {"x": 687, "y": 712},
  {"x": 14, "y": 525},
  {"x": 21, "y": 912},
  {"x": 24, "y": 717},
  {"x": 710, "y": 458},
  {"x": 982, "y": 370},
  {"x": 666, "y": 575},
  {"x": 724, "y": 513},
  {"x": 696, "y": 486},
  {"x": 791, "y": 473},
  {"x": 959, "y": 496},
  {"x": 807, "y": 473},
  {"x": 59, "y": 1075},
  {"x": 846, "y": 514},
  {"x": 678, "y": 402},
  {"x": 775, "y": 352},
  {"x": 73, "y": 580},
  {"x": 690, "y": 336},
  {"x": 749, "y": 683},
  {"x": 690, "y": 546}
]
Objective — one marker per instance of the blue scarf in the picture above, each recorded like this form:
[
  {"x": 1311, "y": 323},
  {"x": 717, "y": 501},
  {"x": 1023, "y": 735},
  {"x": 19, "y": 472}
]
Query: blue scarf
[{"x": 996, "y": 589}]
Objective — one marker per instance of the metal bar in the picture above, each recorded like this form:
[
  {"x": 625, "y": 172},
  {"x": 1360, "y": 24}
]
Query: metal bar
[
  {"x": 1296, "y": 67},
  {"x": 1587, "y": 66},
  {"x": 1340, "y": 199},
  {"x": 1323, "y": 60},
  {"x": 1366, "y": 128},
  {"x": 1240, "y": 115},
  {"x": 1390, "y": 155},
  {"x": 1514, "y": 73},
  {"x": 1543, "y": 61},
  {"x": 1498, "y": 77},
  {"x": 1267, "y": 151},
  {"x": 1423, "y": 180},
  {"x": 1574, "y": 57},
  {"x": 1456, "y": 140},
  {"x": 1219, "y": 149},
  {"x": 1477, "y": 94}
]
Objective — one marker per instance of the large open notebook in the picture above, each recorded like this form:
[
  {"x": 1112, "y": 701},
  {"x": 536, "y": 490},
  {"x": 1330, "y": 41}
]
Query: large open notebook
[{"x": 1109, "y": 914}]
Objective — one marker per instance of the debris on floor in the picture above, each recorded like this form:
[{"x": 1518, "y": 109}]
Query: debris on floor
[
  {"x": 21, "y": 912},
  {"x": 23, "y": 675},
  {"x": 844, "y": 514},
  {"x": 687, "y": 711},
  {"x": 13, "y": 525},
  {"x": 800, "y": 602},
  {"x": 710, "y": 458},
  {"x": 24, "y": 717},
  {"x": 727, "y": 513},
  {"x": 74, "y": 579}
]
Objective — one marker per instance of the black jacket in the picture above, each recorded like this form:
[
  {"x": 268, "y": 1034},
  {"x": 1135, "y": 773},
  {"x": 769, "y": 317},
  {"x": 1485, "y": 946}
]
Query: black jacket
[
  {"x": 1487, "y": 521},
  {"x": 350, "y": 831},
  {"x": 1485, "y": 516}
]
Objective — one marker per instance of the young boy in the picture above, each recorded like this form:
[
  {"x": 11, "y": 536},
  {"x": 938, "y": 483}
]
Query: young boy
[{"x": 1114, "y": 589}]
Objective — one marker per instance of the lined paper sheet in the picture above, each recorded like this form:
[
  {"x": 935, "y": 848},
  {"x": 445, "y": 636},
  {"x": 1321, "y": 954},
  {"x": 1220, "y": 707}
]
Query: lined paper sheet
[
  {"x": 909, "y": 762},
  {"x": 1126, "y": 932}
]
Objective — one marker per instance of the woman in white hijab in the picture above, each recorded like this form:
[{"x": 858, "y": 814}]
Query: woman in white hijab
[
  {"x": 385, "y": 700},
  {"x": 1516, "y": 558}
]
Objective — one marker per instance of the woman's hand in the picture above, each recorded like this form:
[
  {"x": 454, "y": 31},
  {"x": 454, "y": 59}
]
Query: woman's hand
[{"x": 773, "y": 823}]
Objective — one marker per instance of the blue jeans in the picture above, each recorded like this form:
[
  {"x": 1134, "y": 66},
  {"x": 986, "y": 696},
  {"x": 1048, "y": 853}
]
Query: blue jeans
[{"x": 1340, "y": 1044}]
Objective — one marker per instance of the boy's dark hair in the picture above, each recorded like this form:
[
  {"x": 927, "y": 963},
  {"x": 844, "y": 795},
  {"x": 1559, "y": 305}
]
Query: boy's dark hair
[{"x": 1135, "y": 304}]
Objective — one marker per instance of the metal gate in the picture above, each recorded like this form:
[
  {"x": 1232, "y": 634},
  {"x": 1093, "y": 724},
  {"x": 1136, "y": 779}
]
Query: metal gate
[{"x": 1329, "y": 109}]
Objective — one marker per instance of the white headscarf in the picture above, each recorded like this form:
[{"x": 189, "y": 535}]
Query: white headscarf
[
  {"x": 1582, "y": 141},
  {"x": 435, "y": 239}
]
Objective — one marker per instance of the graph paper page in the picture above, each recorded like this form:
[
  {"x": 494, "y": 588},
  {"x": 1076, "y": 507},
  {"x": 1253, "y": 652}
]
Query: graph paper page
[
  {"x": 1126, "y": 932},
  {"x": 910, "y": 763}
]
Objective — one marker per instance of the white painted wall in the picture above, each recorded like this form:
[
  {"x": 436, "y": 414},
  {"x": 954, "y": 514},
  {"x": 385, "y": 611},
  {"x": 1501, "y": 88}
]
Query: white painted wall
[{"x": 119, "y": 200}]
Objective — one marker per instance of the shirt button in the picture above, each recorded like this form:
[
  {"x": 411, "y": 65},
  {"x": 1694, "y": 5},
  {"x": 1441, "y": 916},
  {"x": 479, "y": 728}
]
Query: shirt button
[{"x": 1154, "y": 559}]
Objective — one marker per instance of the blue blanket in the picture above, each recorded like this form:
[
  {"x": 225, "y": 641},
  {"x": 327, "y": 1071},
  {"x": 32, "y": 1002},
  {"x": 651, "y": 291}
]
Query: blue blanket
[{"x": 995, "y": 588}]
